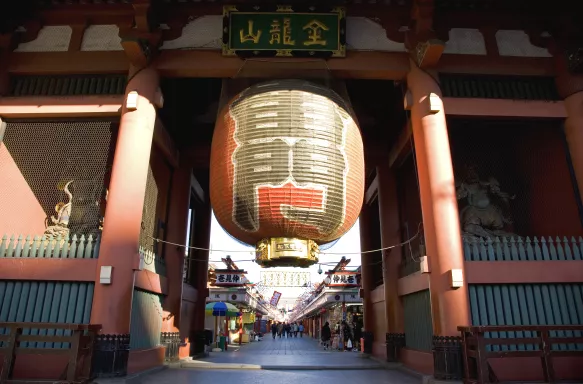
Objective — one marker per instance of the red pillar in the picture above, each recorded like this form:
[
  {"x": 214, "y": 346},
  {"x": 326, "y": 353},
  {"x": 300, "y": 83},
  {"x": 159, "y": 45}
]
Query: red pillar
[
  {"x": 5, "y": 42},
  {"x": 123, "y": 215},
  {"x": 450, "y": 307},
  {"x": 570, "y": 87},
  {"x": 202, "y": 240},
  {"x": 390, "y": 235},
  {"x": 177, "y": 228},
  {"x": 367, "y": 282}
]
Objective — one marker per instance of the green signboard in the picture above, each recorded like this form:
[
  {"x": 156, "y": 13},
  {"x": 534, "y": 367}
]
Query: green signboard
[{"x": 283, "y": 31}]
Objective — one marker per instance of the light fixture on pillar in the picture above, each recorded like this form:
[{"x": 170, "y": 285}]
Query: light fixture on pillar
[
  {"x": 132, "y": 101},
  {"x": 456, "y": 278},
  {"x": 105, "y": 274},
  {"x": 434, "y": 103}
]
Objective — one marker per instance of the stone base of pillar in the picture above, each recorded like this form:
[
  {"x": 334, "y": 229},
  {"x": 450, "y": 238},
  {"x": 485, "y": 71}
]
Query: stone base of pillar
[
  {"x": 368, "y": 338},
  {"x": 171, "y": 340},
  {"x": 198, "y": 340},
  {"x": 448, "y": 358},
  {"x": 110, "y": 356},
  {"x": 394, "y": 342}
]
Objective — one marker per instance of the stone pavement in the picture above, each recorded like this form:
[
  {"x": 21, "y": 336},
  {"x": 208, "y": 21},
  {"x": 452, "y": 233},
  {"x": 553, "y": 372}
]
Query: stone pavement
[
  {"x": 281, "y": 361},
  {"x": 284, "y": 353},
  {"x": 187, "y": 376}
]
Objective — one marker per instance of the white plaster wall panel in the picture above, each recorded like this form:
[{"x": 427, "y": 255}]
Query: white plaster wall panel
[
  {"x": 465, "y": 41},
  {"x": 203, "y": 33},
  {"x": 54, "y": 38},
  {"x": 101, "y": 38},
  {"x": 517, "y": 43},
  {"x": 363, "y": 34}
]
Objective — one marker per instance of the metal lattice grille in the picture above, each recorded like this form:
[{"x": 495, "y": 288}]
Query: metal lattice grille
[
  {"x": 499, "y": 87},
  {"x": 525, "y": 159},
  {"x": 51, "y": 154},
  {"x": 68, "y": 85},
  {"x": 149, "y": 217}
]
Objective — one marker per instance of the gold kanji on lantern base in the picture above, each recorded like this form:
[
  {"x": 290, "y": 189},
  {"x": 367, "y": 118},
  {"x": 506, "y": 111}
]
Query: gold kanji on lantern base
[{"x": 286, "y": 252}]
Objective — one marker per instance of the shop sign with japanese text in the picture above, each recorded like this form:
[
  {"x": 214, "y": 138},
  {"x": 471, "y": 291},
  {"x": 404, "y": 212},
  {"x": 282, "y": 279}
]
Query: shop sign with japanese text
[
  {"x": 229, "y": 278},
  {"x": 343, "y": 279},
  {"x": 284, "y": 31}
]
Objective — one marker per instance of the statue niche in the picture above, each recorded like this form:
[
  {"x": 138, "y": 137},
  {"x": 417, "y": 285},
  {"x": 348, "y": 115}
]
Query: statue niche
[
  {"x": 483, "y": 213},
  {"x": 61, "y": 222}
]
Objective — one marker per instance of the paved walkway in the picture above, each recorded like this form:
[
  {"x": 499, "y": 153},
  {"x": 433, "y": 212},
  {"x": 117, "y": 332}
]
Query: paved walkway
[
  {"x": 284, "y": 353},
  {"x": 281, "y": 361},
  {"x": 187, "y": 376}
]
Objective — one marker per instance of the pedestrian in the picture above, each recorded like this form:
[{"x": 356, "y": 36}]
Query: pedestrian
[
  {"x": 295, "y": 329},
  {"x": 301, "y": 329},
  {"x": 279, "y": 329},
  {"x": 326, "y": 335},
  {"x": 346, "y": 336},
  {"x": 357, "y": 335},
  {"x": 274, "y": 330}
]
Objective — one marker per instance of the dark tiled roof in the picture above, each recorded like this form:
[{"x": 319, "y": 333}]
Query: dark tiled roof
[
  {"x": 499, "y": 87},
  {"x": 82, "y": 85},
  {"x": 291, "y": 2},
  {"x": 70, "y": 2},
  {"x": 492, "y": 4},
  {"x": 288, "y": 2}
]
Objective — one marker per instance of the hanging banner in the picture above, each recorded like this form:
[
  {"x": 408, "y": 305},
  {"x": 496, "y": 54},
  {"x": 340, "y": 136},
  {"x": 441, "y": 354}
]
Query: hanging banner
[
  {"x": 275, "y": 298},
  {"x": 285, "y": 278},
  {"x": 284, "y": 31}
]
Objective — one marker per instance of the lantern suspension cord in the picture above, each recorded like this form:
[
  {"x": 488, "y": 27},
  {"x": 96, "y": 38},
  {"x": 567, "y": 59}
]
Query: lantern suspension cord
[
  {"x": 406, "y": 242},
  {"x": 195, "y": 248}
]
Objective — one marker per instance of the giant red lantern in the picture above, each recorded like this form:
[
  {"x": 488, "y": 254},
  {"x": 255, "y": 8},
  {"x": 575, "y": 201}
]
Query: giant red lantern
[{"x": 287, "y": 170}]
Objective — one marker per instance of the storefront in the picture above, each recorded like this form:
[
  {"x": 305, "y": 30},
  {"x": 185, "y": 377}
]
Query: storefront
[
  {"x": 231, "y": 286},
  {"x": 336, "y": 299}
]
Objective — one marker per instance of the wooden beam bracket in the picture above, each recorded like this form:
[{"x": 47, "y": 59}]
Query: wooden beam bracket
[{"x": 428, "y": 53}]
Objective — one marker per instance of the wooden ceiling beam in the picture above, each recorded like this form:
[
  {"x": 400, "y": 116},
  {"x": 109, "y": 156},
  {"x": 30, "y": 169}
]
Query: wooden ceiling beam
[
  {"x": 121, "y": 14},
  {"x": 206, "y": 63}
]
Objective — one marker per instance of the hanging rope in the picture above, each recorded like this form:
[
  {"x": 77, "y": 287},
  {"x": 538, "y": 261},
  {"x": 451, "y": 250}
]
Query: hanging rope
[{"x": 408, "y": 241}]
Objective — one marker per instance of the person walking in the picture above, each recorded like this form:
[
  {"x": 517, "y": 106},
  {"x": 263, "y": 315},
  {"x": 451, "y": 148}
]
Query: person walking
[
  {"x": 274, "y": 330},
  {"x": 347, "y": 336},
  {"x": 279, "y": 329},
  {"x": 295, "y": 329},
  {"x": 357, "y": 335},
  {"x": 326, "y": 335},
  {"x": 301, "y": 329}
]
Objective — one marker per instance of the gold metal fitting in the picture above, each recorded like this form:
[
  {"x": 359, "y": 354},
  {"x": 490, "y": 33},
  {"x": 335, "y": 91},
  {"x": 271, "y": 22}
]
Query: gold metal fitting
[{"x": 286, "y": 252}]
